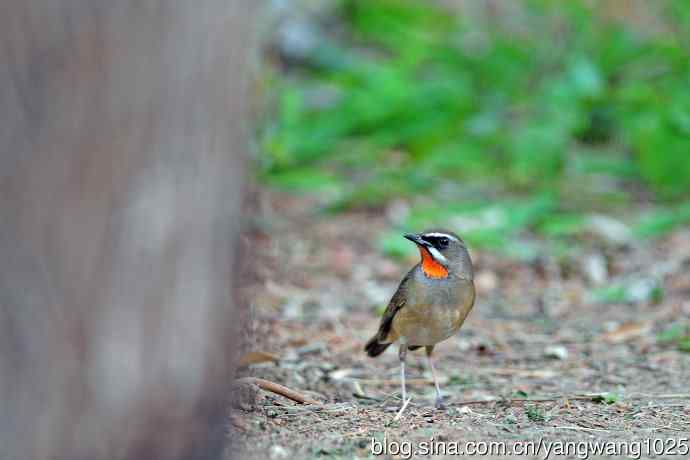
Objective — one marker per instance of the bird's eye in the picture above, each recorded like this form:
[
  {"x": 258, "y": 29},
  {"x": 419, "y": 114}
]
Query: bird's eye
[{"x": 443, "y": 242}]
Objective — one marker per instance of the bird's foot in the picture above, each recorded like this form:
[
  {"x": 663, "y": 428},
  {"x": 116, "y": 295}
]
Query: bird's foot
[{"x": 439, "y": 404}]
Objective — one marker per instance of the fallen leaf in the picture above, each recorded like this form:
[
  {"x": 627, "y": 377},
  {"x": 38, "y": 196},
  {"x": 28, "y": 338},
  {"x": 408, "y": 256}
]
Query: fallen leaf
[
  {"x": 256, "y": 357},
  {"x": 297, "y": 342},
  {"x": 340, "y": 374},
  {"x": 626, "y": 331}
]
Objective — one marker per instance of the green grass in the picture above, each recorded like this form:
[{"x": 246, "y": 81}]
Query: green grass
[
  {"x": 492, "y": 130},
  {"x": 678, "y": 335},
  {"x": 535, "y": 414},
  {"x": 606, "y": 398}
]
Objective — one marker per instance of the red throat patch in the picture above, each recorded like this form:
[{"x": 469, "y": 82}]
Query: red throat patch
[{"x": 431, "y": 268}]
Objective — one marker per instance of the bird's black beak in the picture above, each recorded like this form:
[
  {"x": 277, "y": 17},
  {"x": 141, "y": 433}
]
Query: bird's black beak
[{"x": 416, "y": 239}]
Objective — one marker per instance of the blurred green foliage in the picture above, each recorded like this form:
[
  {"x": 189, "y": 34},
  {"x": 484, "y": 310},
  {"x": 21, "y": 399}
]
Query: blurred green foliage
[
  {"x": 677, "y": 334},
  {"x": 606, "y": 398},
  {"x": 490, "y": 126}
]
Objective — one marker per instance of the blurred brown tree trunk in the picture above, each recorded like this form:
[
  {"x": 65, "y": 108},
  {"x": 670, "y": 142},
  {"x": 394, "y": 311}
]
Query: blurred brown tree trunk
[{"x": 121, "y": 137}]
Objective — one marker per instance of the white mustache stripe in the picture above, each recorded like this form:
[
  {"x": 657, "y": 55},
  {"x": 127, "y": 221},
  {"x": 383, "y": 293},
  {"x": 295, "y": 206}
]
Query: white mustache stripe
[{"x": 438, "y": 257}]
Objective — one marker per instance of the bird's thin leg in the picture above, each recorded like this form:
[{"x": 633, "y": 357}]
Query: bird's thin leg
[
  {"x": 402, "y": 353},
  {"x": 439, "y": 397}
]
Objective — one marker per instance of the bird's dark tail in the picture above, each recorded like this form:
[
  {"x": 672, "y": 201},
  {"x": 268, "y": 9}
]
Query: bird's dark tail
[{"x": 374, "y": 347}]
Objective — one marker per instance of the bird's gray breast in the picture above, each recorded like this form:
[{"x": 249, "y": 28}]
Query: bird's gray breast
[
  {"x": 435, "y": 310},
  {"x": 444, "y": 292}
]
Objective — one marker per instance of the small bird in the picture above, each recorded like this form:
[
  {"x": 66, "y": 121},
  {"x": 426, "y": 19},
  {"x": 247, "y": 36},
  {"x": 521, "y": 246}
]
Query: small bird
[{"x": 431, "y": 303}]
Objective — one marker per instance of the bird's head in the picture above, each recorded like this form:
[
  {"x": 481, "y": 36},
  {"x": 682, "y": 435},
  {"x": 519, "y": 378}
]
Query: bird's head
[{"x": 443, "y": 253}]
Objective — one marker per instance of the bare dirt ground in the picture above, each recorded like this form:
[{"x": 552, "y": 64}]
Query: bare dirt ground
[{"x": 317, "y": 288}]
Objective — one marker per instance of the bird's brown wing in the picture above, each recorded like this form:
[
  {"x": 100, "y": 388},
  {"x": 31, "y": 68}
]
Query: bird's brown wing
[{"x": 396, "y": 303}]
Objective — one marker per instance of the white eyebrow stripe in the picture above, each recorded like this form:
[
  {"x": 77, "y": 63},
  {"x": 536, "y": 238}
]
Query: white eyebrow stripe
[{"x": 439, "y": 234}]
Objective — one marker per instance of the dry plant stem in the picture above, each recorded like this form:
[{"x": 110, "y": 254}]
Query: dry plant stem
[
  {"x": 402, "y": 409},
  {"x": 581, "y": 428},
  {"x": 391, "y": 382},
  {"x": 566, "y": 398},
  {"x": 278, "y": 389}
]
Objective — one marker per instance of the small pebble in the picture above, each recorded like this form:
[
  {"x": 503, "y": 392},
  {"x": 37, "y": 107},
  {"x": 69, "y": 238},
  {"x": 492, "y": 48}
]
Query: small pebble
[
  {"x": 278, "y": 452},
  {"x": 556, "y": 351}
]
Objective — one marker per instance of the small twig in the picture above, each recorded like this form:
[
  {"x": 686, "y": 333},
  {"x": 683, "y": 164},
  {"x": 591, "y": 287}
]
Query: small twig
[
  {"x": 367, "y": 397},
  {"x": 580, "y": 428},
  {"x": 278, "y": 389},
  {"x": 671, "y": 428},
  {"x": 525, "y": 400},
  {"x": 314, "y": 410},
  {"x": 394, "y": 395},
  {"x": 470, "y": 402},
  {"x": 517, "y": 400},
  {"x": 402, "y": 409},
  {"x": 467, "y": 410},
  {"x": 334, "y": 407},
  {"x": 663, "y": 406},
  {"x": 256, "y": 357},
  {"x": 587, "y": 397},
  {"x": 662, "y": 396},
  {"x": 385, "y": 382}
]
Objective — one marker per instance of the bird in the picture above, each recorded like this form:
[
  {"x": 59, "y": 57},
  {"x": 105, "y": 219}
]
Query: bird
[{"x": 431, "y": 302}]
